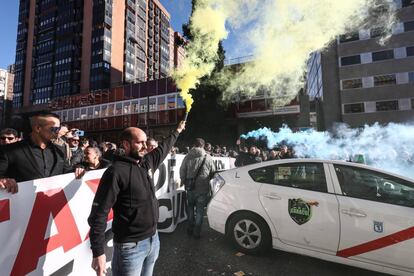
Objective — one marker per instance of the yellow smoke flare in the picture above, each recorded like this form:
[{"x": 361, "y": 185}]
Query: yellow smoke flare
[{"x": 207, "y": 26}]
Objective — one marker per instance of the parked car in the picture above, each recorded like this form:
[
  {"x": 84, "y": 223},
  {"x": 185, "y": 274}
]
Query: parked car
[{"x": 337, "y": 211}]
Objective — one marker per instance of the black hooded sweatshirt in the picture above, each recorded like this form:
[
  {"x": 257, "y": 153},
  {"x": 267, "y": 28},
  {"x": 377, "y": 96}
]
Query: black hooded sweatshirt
[{"x": 127, "y": 187}]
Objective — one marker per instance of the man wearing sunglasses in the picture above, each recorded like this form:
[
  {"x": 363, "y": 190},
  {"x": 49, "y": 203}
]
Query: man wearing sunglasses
[
  {"x": 8, "y": 136},
  {"x": 36, "y": 156}
]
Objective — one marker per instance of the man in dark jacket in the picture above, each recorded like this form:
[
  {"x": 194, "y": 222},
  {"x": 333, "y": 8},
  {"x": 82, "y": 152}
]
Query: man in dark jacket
[
  {"x": 197, "y": 161},
  {"x": 127, "y": 187},
  {"x": 248, "y": 158},
  {"x": 35, "y": 157}
]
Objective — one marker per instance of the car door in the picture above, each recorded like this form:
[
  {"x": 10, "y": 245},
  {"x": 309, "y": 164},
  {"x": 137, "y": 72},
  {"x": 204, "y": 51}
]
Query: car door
[
  {"x": 296, "y": 197},
  {"x": 377, "y": 217}
]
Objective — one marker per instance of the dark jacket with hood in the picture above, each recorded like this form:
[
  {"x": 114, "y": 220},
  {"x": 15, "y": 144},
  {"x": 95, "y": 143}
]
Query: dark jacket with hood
[{"x": 127, "y": 187}]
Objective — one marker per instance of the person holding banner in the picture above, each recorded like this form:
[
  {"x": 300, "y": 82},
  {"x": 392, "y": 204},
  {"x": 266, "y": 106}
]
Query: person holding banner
[
  {"x": 35, "y": 157},
  {"x": 127, "y": 187}
]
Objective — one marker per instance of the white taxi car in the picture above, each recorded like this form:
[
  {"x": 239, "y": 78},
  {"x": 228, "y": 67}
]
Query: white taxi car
[{"x": 337, "y": 211}]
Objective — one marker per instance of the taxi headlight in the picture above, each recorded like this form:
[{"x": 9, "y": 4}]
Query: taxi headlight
[{"x": 216, "y": 183}]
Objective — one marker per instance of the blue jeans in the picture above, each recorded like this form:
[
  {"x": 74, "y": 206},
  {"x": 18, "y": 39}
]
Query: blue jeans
[
  {"x": 195, "y": 219},
  {"x": 135, "y": 258}
]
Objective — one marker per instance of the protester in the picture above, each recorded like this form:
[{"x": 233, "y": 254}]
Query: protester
[
  {"x": 8, "y": 136},
  {"x": 110, "y": 151},
  {"x": 217, "y": 151},
  {"x": 75, "y": 149},
  {"x": 224, "y": 152},
  {"x": 248, "y": 158},
  {"x": 84, "y": 143},
  {"x": 35, "y": 157},
  {"x": 285, "y": 153},
  {"x": 62, "y": 141},
  {"x": 151, "y": 144},
  {"x": 92, "y": 161},
  {"x": 197, "y": 167},
  {"x": 208, "y": 148},
  {"x": 103, "y": 147},
  {"x": 127, "y": 187},
  {"x": 273, "y": 155}
]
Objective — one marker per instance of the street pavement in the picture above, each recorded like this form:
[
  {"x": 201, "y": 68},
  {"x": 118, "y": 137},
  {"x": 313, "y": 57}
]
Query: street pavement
[{"x": 214, "y": 255}]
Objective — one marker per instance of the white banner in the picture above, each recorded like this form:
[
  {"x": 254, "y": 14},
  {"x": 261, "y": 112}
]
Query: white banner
[{"x": 44, "y": 228}]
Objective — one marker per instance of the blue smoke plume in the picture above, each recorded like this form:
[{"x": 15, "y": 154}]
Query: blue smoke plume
[{"x": 389, "y": 147}]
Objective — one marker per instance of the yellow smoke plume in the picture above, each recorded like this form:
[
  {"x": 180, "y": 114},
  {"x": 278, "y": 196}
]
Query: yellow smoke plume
[
  {"x": 281, "y": 34},
  {"x": 207, "y": 26}
]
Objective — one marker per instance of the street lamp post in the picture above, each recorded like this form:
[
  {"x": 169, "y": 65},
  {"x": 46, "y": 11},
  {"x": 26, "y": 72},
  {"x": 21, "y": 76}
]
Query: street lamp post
[{"x": 135, "y": 42}]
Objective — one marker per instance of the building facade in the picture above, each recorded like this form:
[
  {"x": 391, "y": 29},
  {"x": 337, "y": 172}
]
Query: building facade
[
  {"x": 6, "y": 94},
  {"x": 359, "y": 81},
  {"x": 154, "y": 106},
  {"x": 74, "y": 47}
]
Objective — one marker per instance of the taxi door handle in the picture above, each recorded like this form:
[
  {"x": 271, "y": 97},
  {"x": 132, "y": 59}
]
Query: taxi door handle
[
  {"x": 272, "y": 196},
  {"x": 354, "y": 213}
]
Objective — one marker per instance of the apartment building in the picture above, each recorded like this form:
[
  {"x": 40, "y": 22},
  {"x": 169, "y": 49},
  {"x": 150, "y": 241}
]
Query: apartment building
[
  {"x": 359, "y": 81},
  {"x": 69, "y": 47}
]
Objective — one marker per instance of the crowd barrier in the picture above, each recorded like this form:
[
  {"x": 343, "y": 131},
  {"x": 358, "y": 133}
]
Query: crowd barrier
[{"x": 44, "y": 229}]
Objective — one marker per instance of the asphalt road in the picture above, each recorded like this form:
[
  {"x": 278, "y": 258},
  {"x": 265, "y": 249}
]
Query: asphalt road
[{"x": 214, "y": 255}]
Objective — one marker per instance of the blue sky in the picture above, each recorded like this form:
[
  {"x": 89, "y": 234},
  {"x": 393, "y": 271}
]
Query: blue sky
[{"x": 179, "y": 10}]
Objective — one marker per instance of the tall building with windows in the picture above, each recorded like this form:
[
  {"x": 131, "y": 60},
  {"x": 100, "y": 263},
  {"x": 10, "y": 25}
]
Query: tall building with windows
[
  {"x": 69, "y": 47},
  {"x": 359, "y": 81},
  {"x": 6, "y": 94}
]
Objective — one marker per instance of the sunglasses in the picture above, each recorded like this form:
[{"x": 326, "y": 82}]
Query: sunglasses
[
  {"x": 7, "y": 138},
  {"x": 55, "y": 129}
]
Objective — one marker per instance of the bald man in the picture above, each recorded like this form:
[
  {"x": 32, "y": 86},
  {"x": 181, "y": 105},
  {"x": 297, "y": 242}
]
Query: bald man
[
  {"x": 128, "y": 188},
  {"x": 35, "y": 157}
]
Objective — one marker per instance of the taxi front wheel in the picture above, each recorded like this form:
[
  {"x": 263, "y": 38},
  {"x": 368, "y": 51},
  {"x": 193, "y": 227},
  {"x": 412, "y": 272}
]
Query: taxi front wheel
[{"x": 249, "y": 233}]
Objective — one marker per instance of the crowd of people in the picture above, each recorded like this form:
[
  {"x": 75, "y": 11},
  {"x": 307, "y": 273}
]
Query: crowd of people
[{"x": 53, "y": 148}]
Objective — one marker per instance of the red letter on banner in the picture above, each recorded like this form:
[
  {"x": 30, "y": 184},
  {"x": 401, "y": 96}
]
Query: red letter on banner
[
  {"x": 34, "y": 244},
  {"x": 4, "y": 210}
]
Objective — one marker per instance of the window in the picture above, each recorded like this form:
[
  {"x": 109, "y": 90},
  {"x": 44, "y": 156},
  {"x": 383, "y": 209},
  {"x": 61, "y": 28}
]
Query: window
[
  {"x": 104, "y": 111},
  {"x": 382, "y": 55},
  {"x": 371, "y": 185},
  {"x": 306, "y": 176},
  {"x": 351, "y": 84},
  {"x": 406, "y": 3},
  {"x": 83, "y": 114},
  {"x": 387, "y": 105},
  {"x": 408, "y": 26},
  {"x": 385, "y": 80},
  {"x": 127, "y": 106},
  {"x": 110, "y": 110},
  {"x": 411, "y": 77},
  {"x": 161, "y": 103},
  {"x": 118, "y": 109},
  {"x": 410, "y": 51},
  {"x": 134, "y": 107},
  {"x": 354, "y": 108},
  {"x": 349, "y": 37},
  {"x": 376, "y": 32},
  {"x": 171, "y": 102},
  {"x": 180, "y": 102},
  {"x": 143, "y": 106},
  {"x": 350, "y": 60},
  {"x": 70, "y": 115},
  {"x": 96, "y": 111},
  {"x": 76, "y": 115}
]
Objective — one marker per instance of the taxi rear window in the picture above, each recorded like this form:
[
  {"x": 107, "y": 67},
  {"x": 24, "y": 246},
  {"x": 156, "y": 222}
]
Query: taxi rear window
[{"x": 307, "y": 176}]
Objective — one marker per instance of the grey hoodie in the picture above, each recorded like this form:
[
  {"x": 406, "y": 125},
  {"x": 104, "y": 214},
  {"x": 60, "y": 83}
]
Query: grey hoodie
[{"x": 190, "y": 165}]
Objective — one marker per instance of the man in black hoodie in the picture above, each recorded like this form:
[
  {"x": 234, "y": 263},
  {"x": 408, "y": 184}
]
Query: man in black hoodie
[{"x": 127, "y": 187}]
